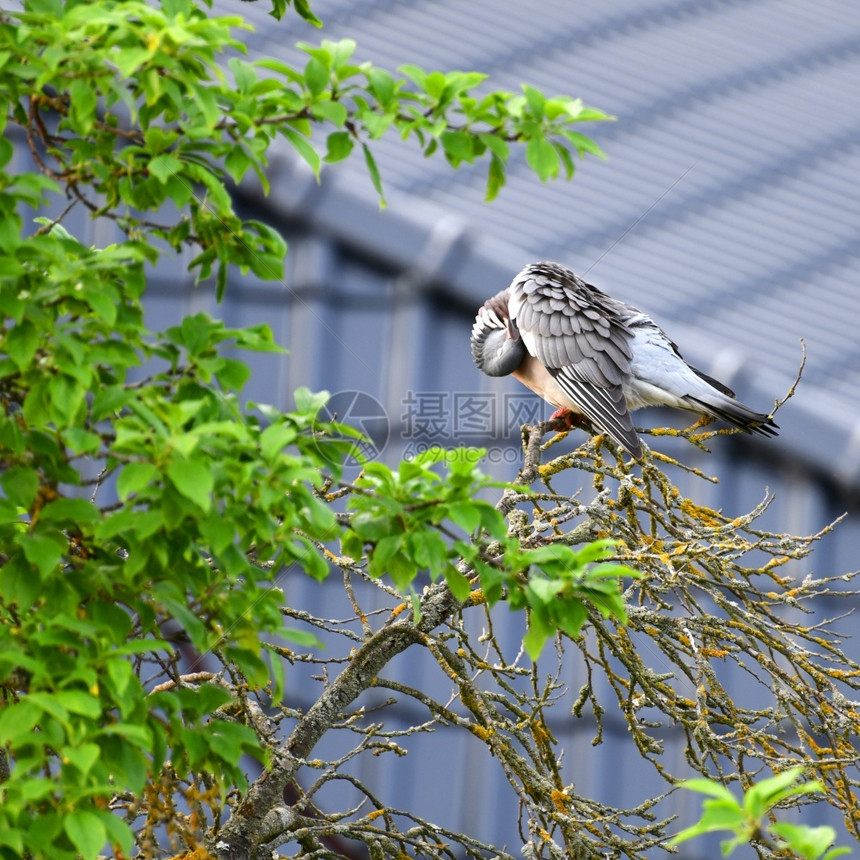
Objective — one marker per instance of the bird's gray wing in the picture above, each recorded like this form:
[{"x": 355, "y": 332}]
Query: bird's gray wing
[
  {"x": 605, "y": 407},
  {"x": 578, "y": 333},
  {"x": 660, "y": 376}
]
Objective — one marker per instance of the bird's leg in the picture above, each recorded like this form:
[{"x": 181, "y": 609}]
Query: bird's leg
[{"x": 566, "y": 419}]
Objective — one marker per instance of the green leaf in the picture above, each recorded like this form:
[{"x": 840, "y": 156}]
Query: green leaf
[
  {"x": 415, "y": 74},
  {"x": 428, "y": 550},
  {"x": 18, "y": 585},
  {"x": 301, "y": 637},
  {"x": 82, "y": 109},
  {"x": 583, "y": 144},
  {"x": 710, "y": 787},
  {"x": 165, "y": 167},
  {"x": 6, "y": 148},
  {"x": 496, "y": 145},
  {"x": 434, "y": 84},
  {"x": 87, "y": 833},
  {"x": 718, "y": 815},
  {"x": 37, "y": 404},
  {"x": 316, "y": 76},
  {"x": 120, "y": 673},
  {"x": 237, "y": 162},
  {"x": 466, "y": 515},
  {"x": 386, "y": 549},
  {"x": 351, "y": 545},
  {"x": 768, "y": 792},
  {"x": 538, "y": 633},
  {"x": 74, "y": 511},
  {"x": 493, "y": 521},
  {"x": 304, "y": 148},
  {"x": 20, "y": 483},
  {"x": 542, "y": 158},
  {"x": 128, "y": 765},
  {"x": 341, "y": 51},
  {"x": 135, "y": 734},
  {"x": 339, "y": 144},
  {"x": 22, "y": 341},
  {"x": 67, "y": 396},
  {"x": 535, "y": 100},
  {"x": 374, "y": 174},
  {"x": 109, "y": 401},
  {"x": 332, "y": 111},
  {"x": 134, "y": 477},
  {"x": 36, "y": 789},
  {"x": 302, "y": 7},
  {"x": 279, "y": 8},
  {"x": 545, "y": 590},
  {"x": 233, "y": 374},
  {"x": 459, "y": 146},
  {"x": 83, "y": 757},
  {"x": 79, "y": 702},
  {"x": 219, "y": 532},
  {"x": 118, "y": 832},
  {"x": 129, "y": 60},
  {"x": 197, "y": 333},
  {"x": 275, "y": 438},
  {"x": 495, "y": 179},
  {"x": 836, "y": 852},
  {"x": 313, "y": 564},
  {"x": 193, "y": 480},
  {"x": 42, "y": 551},
  {"x": 401, "y": 570},
  {"x": 81, "y": 441},
  {"x": 310, "y": 402},
  {"x": 17, "y": 721},
  {"x": 810, "y": 842},
  {"x": 458, "y": 583},
  {"x": 377, "y": 123},
  {"x": 158, "y": 139},
  {"x": 370, "y": 526},
  {"x": 566, "y": 160},
  {"x": 13, "y": 839},
  {"x": 192, "y": 624},
  {"x": 381, "y": 85}
]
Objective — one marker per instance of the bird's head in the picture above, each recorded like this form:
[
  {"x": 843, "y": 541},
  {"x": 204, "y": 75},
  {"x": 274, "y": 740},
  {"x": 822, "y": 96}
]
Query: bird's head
[{"x": 497, "y": 347}]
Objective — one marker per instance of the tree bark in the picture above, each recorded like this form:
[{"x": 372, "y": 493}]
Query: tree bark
[{"x": 239, "y": 838}]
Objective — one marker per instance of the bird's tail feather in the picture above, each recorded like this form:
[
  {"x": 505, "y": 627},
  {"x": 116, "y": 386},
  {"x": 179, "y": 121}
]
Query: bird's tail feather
[
  {"x": 735, "y": 413},
  {"x": 711, "y": 381}
]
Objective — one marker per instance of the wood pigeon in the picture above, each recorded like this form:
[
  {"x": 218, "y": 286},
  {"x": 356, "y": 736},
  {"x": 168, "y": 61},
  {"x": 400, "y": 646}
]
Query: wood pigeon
[{"x": 593, "y": 356}]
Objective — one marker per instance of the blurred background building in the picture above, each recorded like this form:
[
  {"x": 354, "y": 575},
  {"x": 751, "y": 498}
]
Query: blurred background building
[{"x": 728, "y": 208}]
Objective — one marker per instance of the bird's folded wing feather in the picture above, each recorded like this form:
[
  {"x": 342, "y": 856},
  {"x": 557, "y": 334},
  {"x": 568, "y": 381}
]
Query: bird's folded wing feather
[
  {"x": 578, "y": 334},
  {"x": 604, "y": 406}
]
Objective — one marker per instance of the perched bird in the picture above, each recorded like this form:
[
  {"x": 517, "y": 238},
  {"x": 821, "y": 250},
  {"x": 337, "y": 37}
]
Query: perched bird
[{"x": 593, "y": 356}]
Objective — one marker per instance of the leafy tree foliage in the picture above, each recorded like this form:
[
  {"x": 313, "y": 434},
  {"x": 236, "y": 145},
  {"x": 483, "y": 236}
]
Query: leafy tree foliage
[
  {"x": 147, "y": 511},
  {"x": 748, "y": 820}
]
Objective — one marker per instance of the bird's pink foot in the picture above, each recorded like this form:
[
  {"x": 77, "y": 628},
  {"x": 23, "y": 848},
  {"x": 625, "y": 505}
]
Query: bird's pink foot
[
  {"x": 566, "y": 419},
  {"x": 563, "y": 415}
]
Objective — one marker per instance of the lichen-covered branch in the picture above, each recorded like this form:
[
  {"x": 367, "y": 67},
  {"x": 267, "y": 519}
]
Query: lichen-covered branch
[{"x": 712, "y": 594}]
